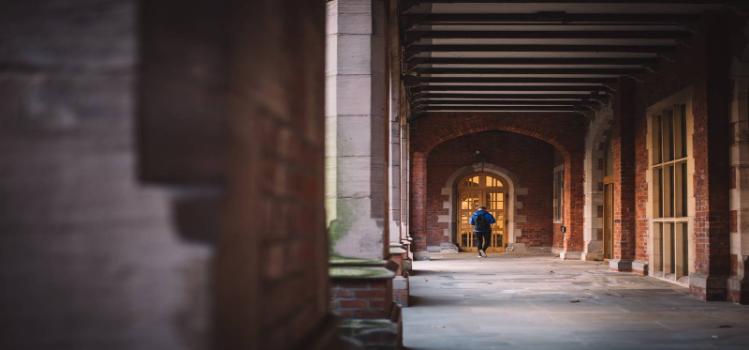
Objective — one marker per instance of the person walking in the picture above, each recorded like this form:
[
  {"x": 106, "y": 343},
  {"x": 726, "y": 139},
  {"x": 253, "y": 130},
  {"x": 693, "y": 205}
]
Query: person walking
[{"x": 482, "y": 222}]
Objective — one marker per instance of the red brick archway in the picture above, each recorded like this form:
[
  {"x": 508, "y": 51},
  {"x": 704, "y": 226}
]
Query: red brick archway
[{"x": 565, "y": 132}]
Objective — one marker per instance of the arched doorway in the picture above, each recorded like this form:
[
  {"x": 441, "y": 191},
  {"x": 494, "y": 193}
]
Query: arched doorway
[{"x": 481, "y": 189}]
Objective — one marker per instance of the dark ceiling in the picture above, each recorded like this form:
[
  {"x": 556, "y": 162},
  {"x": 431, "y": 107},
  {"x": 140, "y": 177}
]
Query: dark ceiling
[{"x": 536, "y": 56}]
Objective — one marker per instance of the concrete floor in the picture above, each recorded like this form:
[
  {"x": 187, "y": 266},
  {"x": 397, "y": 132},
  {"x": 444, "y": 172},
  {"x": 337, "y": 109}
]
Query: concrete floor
[{"x": 462, "y": 302}]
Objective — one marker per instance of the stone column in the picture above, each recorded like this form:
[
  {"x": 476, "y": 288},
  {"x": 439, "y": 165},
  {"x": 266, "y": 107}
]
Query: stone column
[
  {"x": 395, "y": 108},
  {"x": 358, "y": 168},
  {"x": 738, "y": 282},
  {"x": 405, "y": 179},
  {"x": 356, "y": 137},
  {"x": 594, "y": 154},
  {"x": 395, "y": 183}
]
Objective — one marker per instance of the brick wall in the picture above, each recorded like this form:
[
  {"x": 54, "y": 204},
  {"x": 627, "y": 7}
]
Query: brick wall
[
  {"x": 366, "y": 298},
  {"x": 508, "y": 151},
  {"x": 689, "y": 69},
  {"x": 703, "y": 67},
  {"x": 565, "y": 132},
  {"x": 272, "y": 274},
  {"x": 623, "y": 149}
]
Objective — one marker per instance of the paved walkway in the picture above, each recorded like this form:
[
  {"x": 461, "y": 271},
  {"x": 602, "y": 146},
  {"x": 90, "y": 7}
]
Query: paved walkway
[{"x": 462, "y": 302}]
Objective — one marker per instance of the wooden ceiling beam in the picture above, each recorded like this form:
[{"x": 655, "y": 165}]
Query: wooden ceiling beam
[
  {"x": 505, "y": 102},
  {"x": 528, "y": 71},
  {"x": 413, "y": 80},
  {"x": 501, "y": 108},
  {"x": 414, "y": 35},
  {"x": 551, "y": 17},
  {"x": 414, "y": 50},
  {"x": 505, "y": 96},
  {"x": 640, "y": 61},
  {"x": 523, "y": 88}
]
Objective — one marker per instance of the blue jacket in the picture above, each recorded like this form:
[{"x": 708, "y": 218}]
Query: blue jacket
[{"x": 489, "y": 220}]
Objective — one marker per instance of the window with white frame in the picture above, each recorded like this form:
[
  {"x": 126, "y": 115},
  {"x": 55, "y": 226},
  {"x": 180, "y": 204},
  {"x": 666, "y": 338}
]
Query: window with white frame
[{"x": 669, "y": 155}]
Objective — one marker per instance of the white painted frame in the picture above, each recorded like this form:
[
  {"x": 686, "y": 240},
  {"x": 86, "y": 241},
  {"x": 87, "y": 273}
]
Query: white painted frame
[{"x": 682, "y": 97}]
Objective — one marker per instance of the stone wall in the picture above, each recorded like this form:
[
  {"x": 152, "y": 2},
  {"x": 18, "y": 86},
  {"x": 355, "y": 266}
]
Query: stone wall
[{"x": 90, "y": 257}]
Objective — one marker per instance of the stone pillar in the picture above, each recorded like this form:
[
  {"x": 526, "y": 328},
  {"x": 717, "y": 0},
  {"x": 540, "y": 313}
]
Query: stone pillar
[
  {"x": 358, "y": 167},
  {"x": 398, "y": 247},
  {"x": 738, "y": 283},
  {"x": 395, "y": 113},
  {"x": 623, "y": 147},
  {"x": 395, "y": 183},
  {"x": 594, "y": 172},
  {"x": 418, "y": 188},
  {"x": 405, "y": 179},
  {"x": 356, "y": 137}
]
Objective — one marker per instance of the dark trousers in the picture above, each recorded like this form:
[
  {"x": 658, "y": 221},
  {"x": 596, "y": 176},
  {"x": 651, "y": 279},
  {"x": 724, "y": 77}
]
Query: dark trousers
[{"x": 482, "y": 239}]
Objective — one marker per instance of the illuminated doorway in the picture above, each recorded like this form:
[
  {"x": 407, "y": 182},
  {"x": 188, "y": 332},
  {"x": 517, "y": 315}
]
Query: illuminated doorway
[{"x": 481, "y": 189}]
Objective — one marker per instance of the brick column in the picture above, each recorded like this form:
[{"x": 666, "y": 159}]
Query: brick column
[
  {"x": 711, "y": 179},
  {"x": 574, "y": 202},
  {"x": 622, "y": 143},
  {"x": 418, "y": 204}
]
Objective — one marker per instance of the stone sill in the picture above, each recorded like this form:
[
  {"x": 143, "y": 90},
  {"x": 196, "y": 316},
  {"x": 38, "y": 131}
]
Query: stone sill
[
  {"x": 354, "y": 268},
  {"x": 344, "y": 261},
  {"x": 360, "y": 272},
  {"x": 397, "y": 250}
]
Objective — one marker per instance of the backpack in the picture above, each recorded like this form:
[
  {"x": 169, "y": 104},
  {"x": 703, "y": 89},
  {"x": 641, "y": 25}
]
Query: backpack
[{"x": 482, "y": 224}]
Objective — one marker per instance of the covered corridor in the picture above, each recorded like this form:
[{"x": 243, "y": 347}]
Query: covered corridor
[
  {"x": 300, "y": 174},
  {"x": 540, "y": 302}
]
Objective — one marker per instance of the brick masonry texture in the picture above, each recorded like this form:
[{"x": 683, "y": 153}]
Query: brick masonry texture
[
  {"x": 509, "y": 151},
  {"x": 711, "y": 135},
  {"x": 565, "y": 132},
  {"x": 362, "y": 298}
]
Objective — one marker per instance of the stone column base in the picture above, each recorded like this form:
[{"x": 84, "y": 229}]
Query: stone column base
[
  {"x": 517, "y": 248},
  {"x": 738, "y": 290},
  {"x": 556, "y": 251},
  {"x": 620, "y": 265},
  {"x": 325, "y": 336},
  {"x": 593, "y": 251},
  {"x": 422, "y": 255},
  {"x": 640, "y": 267},
  {"x": 565, "y": 255},
  {"x": 401, "y": 291},
  {"x": 370, "y": 334},
  {"x": 707, "y": 287}
]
